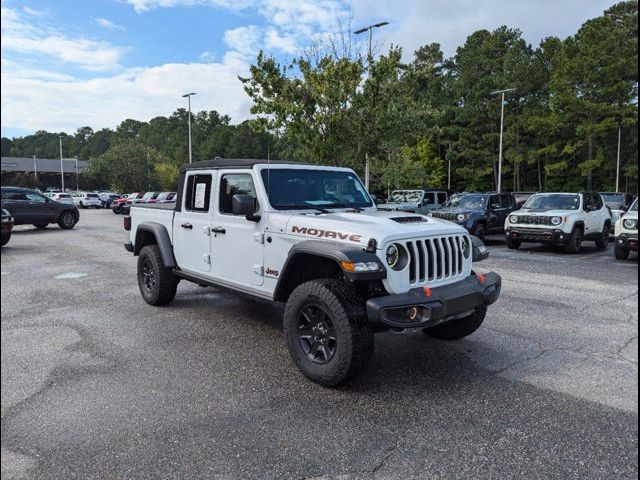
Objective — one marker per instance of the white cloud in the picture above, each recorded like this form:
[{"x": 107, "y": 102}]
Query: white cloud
[
  {"x": 28, "y": 37},
  {"x": 141, "y": 93},
  {"x": 274, "y": 40},
  {"x": 141, "y": 6},
  {"x": 208, "y": 57},
  {"x": 108, "y": 24},
  {"x": 244, "y": 40}
]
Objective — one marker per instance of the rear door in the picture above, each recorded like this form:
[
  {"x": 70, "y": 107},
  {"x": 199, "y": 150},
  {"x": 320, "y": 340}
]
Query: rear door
[
  {"x": 192, "y": 224},
  {"x": 237, "y": 243}
]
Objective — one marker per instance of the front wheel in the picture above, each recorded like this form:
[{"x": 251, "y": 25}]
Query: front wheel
[
  {"x": 67, "y": 220},
  {"x": 326, "y": 332},
  {"x": 156, "y": 282},
  {"x": 575, "y": 242},
  {"x": 513, "y": 244},
  {"x": 480, "y": 231},
  {"x": 621, "y": 253},
  {"x": 459, "y": 328}
]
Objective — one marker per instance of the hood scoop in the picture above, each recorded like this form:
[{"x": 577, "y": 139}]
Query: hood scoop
[{"x": 409, "y": 219}]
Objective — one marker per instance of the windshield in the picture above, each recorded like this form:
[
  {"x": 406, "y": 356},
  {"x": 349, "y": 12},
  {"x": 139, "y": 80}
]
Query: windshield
[
  {"x": 467, "y": 201},
  {"x": 617, "y": 198},
  {"x": 92, "y": 195},
  {"x": 634, "y": 207},
  {"x": 408, "y": 196},
  {"x": 64, "y": 195},
  {"x": 290, "y": 189},
  {"x": 553, "y": 202}
]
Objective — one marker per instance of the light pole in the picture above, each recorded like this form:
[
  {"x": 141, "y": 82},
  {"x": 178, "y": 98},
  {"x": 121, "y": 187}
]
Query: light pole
[
  {"x": 502, "y": 92},
  {"x": 188, "y": 97},
  {"x": 369, "y": 58},
  {"x": 618, "y": 160},
  {"x": 77, "y": 182},
  {"x": 61, "y": 165},
  {"x": 35, "y": 169}
]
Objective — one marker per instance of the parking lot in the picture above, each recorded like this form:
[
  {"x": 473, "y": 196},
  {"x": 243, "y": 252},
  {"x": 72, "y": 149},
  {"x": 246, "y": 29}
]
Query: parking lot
[{"x": 98, "y": 384}]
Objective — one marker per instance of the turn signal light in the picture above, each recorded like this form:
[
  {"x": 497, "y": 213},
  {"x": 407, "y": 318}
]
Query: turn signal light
[
  {"x": 359, "y": 266},
  {"x": 481, "y": 278}
]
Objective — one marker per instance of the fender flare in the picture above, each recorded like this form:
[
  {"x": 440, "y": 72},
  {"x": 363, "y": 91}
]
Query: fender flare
[
  {"x": 163, "y": 241},
  {"x": 333, "y": 251},
  {"x": 578, "y": 223}
]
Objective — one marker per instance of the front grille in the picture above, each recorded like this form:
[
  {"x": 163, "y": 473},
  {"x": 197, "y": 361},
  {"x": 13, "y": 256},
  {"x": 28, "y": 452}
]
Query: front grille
[
  {"x": 452, "y": 217},
  {"x": 435, "y": 258},
  {"x": 409, "y": 219},
  {"x": 534, "y": 220}
]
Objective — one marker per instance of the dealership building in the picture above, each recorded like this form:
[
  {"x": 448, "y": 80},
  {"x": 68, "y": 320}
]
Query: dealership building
[{"x": 43, "y": 172}]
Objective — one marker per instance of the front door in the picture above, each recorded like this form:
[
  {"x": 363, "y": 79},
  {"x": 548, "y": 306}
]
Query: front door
[
  {"x": 40, "y": 209},
  {"x": 192, "y": 224},
  {"x": 237, "y": 242}
]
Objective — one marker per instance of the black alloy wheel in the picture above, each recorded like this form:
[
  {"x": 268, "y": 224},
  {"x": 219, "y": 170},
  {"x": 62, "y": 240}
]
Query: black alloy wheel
[
  {"x": 317, "y": 334},
  {"x": 148, "y": 275}
]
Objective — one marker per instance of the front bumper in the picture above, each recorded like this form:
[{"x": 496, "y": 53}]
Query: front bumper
[
  {"x": 436, "y": 305},
  {"x": 549, "y": 236},
  {"x": 628, "y": 241}
]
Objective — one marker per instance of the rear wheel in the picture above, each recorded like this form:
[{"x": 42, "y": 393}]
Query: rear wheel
[
  {"x": 459, "y": 328},
  {"x": 513, "y": 244},
  {"x": 67, "y": 220},
  {"x": 41, "y": 226},
  {"x": 621, "y": 253},
  {"x": 156, "y": 282},
  {"x": 603, "y": 242},
  {"x": 116, "y": 209},
  {"x": 575, "y": 241},
  {"x": 326, "y": 332}
]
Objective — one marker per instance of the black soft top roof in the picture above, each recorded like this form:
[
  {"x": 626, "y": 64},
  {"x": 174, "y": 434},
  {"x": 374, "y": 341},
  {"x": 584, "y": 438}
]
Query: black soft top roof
[{"x": 232, "y": 163}]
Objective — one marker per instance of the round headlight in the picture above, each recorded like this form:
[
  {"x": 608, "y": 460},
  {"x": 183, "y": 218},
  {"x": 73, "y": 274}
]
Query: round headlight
[
  {"x": 466, "y": 247},
  {"x": 630, "y": 224},
  {"x": 556, "y": 220},
  {"x": 513, "y": 219},
  {"x": 461, "y": 217},
  {"x": 393, "y": 255}
]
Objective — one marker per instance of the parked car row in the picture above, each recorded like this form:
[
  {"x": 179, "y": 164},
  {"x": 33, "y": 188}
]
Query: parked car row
[{"x": 123, "y": 204}]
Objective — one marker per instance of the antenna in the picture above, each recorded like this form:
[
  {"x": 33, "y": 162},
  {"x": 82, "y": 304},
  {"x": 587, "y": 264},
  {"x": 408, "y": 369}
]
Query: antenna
[{"x": 268, "y": 184}]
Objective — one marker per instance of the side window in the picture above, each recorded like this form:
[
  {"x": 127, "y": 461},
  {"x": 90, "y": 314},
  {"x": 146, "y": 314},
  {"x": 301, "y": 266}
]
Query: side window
[
  {"x": 198, "y": 193},
  {"x": 442, "y": 198},
  {"x": 598, "y": 201},
  {"x": 429, "y": 199},
  {"x": 505, "y": 200},
  {"x": 36, "y": 197},
  {"x": 234, "y": 184},
  {"x": 494, "y": 202},
  {"x": 14, "y": 196},
  {"x": 588, "y": 202}
]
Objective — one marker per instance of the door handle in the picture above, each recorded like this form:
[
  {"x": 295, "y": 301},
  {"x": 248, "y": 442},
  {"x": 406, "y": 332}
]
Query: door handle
[
  {"x": 219, "y": 230},
  {"x": 187, "y": 225}
]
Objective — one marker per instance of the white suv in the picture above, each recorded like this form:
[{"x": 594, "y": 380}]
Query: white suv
[
  {"x": 565, "y": 219},
  {"x": 87, "y": 200},
  {"x": 627, "y": 233}
]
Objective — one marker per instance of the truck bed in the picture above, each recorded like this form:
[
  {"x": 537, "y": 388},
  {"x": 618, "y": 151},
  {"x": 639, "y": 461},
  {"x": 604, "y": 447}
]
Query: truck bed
[{"x": 157, "y": 213}]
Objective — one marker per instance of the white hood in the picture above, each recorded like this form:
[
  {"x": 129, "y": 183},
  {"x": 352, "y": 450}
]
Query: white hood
[{"x": 358, "y": 228}]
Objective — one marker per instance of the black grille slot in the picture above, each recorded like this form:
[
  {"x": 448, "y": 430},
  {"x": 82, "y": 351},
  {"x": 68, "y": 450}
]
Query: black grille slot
[
  {"x": 421, "y": 262},
  {"x": 409, "y": 219},
  {"x": 412, "y": 262},
  {"x": 534, "y": 220}
]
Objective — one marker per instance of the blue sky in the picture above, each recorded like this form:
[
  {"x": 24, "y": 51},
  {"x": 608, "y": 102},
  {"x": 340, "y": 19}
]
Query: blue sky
[{"x": 67, "y": 64}]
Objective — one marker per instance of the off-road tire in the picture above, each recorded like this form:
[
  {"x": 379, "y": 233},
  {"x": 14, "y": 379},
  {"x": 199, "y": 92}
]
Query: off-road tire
[
  {"x": 459, "y": 328},
  {"x": 603, "y": 242},
  {"x": 621, "y": 253},
  {"x": 116, "y": 209},
  {"x": 162, "y": 289},
  {"x": 5, "y": 239},
  {"x": 41, "y": 226},
  {"x": 513, "y": 244},
  {"x": 353, "y": 337},
  {"x": 67, "y": 220},
  {"x": 574, "y": 245},
  {"x": 480, "y": 231}
]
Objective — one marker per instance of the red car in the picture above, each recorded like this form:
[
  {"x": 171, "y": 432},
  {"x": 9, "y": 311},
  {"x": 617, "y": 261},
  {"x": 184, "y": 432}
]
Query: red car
[{"x": 118, "y": 204}]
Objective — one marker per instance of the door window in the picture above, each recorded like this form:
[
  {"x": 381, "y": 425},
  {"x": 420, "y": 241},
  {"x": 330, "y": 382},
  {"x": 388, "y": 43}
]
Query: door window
[
  {"x": 234, "y": 184},
  {"x": 588, "y": 202},
  {"x": 442, "y": 198},
  {"x": 494, "y": 202},
  {"x": 505, "y": 200},
  {"x": 429, "y": 199},
  {"x": 198, "y": 193},
  {"x": 35, "y": 197},
  {"x": 597, "y": 201},
  {"x": 14, "y": 196}
]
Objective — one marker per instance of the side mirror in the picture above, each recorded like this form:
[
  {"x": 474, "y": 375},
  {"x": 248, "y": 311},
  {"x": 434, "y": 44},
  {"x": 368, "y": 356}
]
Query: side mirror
[
  {"x": 244, "y": 205},
  {"x": 624, "y": 208},
  {"x": 480, "y": 252}
]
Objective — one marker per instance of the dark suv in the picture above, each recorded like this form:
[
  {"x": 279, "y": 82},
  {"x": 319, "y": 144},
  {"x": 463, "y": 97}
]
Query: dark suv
[
  {"x": 479, "y": 213},
  {"x": 29, "y": 207}
]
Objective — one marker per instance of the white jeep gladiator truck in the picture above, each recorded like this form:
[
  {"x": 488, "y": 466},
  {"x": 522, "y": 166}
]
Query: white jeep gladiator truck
[
  {"x": 310, "y": 237},
  {"x": 565, "y": 219}
]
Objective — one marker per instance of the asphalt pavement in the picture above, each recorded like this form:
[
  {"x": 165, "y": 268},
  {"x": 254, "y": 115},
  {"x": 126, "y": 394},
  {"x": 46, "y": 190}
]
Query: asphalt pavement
[{"x": 98, "y": 384}]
